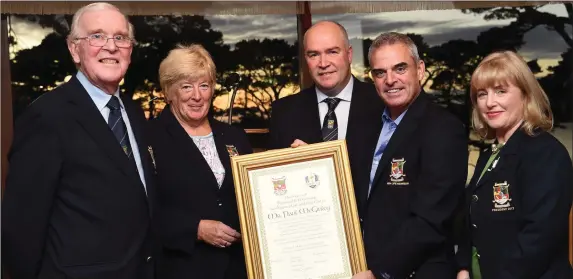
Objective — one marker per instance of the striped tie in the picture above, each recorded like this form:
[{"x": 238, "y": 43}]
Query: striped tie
[
  {"x": 117, "y": 126},
  {"x": 330, "y": 125}
]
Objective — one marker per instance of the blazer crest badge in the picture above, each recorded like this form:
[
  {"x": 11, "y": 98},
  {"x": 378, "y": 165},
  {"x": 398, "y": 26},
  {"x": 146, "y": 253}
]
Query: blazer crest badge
[
  {"x": 232, "y": 150},
  {"x": 397, "y": 171},
  {"x": 397, "y": 175},
  {"x": 501, "y": 197}
]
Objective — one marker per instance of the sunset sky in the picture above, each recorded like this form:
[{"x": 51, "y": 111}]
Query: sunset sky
[{"x": 437, "y": 27}]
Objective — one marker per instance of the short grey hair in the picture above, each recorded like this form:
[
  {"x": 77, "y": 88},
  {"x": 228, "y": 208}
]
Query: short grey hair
[
  {"x": 392, "y": 38},
  {"x": 74, "y": 34}
]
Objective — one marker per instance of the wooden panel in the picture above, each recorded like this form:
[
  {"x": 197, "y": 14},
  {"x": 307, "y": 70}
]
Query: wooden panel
[
  {"x": 5, "y": 101},
  {"x": 304, "y": 22},
  {"x": 5, "y": 106}
]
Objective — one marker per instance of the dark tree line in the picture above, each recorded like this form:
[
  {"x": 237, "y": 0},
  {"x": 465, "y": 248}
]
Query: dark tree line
[{"x": 269, "y": 67}]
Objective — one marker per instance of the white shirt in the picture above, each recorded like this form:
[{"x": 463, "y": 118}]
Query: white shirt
[
  {"x": 342, "y": 111},
  {"x": 101, "y": 99}
]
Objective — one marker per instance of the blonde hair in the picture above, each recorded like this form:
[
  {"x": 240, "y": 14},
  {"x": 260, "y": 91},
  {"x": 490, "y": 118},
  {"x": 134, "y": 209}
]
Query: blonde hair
[
  {"x": 186, "y": 62},
  {"x": 502, "y": 68},
  {"x": 98, "y": 6}
]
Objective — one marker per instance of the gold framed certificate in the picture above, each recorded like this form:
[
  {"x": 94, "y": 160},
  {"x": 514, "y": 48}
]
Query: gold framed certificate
[{"x": 298, "y": 213}]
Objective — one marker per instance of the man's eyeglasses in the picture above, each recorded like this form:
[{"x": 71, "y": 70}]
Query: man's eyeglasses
[{"x": 99, "y": 40}]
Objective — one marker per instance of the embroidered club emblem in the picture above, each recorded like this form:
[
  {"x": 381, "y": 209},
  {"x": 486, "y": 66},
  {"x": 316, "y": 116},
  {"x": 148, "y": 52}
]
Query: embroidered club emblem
[
  {"x": 397, "y": 172},
  {"x": 232, "y": 150},
  {"x": 501, "y": 196}
]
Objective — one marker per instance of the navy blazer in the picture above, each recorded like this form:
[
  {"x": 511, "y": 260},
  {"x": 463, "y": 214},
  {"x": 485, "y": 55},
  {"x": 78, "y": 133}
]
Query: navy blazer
[
  {"x": 520, "y": 209},
  {"x": 75, "y": 206},
  {"x": 187, "y": 193},
  {"x": 297, "y": 117},
  {"x": 408, "y": 217}
]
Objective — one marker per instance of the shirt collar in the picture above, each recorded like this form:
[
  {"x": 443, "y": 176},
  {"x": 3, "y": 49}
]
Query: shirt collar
[
  {"x": 386, "y": 117},
  {"x": 345, "y": 94},
  {"x": 99, "y": 97}
]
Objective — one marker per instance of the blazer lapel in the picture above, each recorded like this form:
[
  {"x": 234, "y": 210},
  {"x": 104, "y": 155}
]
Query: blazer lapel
[
  {"x": 92, "y": 121},
  {"x": 406, "y": 128},
  {"x": 221, "y": 144},
  {"x": 184, "y": 141},
  {"x": 312, "y": 118},
  {"x": 505, "y": 155},
  {"x": 144, "y": 149},
  {"x": 357, "y": 116},
  {"x": 482, "y": 160},
  {"x": 359, "y": 139}
]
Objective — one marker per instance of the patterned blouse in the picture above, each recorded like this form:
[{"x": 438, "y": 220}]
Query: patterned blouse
[{"x": 206, "y": 145}]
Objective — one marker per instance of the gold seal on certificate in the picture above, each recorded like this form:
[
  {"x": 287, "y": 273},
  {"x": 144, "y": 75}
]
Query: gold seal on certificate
[{"x": 298, "y": 213}]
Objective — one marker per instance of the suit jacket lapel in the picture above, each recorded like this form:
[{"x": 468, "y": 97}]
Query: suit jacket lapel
[
  {"x": 357, "y": 115},
  {"x": 221, "y": 144},
  {"x": 92, "y": 121},
  {"x": 312, "y": 120},
  {"x": 195, "y": 158},
  {"x": 358, "y": 138},
  {"x": 482, "y": 160},
  {"x": 143, "y": 148},
  {"x": 404, "y": 131},
  {"x": 510, "y": 149}
]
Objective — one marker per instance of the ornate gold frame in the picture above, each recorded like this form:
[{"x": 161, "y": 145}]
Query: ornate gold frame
[{"x": 336, "y": 150}]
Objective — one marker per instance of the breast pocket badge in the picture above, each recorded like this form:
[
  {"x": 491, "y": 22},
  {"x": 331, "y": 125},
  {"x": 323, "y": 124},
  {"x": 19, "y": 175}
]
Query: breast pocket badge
[
  {"x": 232, "y": 150},
  {"x": 501, "y": 198},
  {"x": 397, "y": 175}
]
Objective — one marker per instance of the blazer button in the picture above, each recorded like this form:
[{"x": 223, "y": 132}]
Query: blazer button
[
  {"x": 475, "y": 226},
  {"x": 475, "y": 198},
  {"x": 149, "y": 259}
]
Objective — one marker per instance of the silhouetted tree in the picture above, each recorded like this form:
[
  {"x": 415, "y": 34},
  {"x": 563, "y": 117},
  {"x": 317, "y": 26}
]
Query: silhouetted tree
[
  {"x": 268, "y": 69},
  {"x": 39, "y": 69},
  {"x": 529, "y": 17},
  {"x": 559, "y": 87}
]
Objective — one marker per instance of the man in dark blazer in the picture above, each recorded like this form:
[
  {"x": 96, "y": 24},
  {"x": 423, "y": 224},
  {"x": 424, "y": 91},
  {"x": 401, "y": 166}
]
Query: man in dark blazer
[
  {"x": 418, "y": 172},
  {"x": 306, "y": 118},
  {"x": 79, "y": 189}
]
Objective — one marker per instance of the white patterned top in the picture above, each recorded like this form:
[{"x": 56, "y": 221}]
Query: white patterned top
[{"x": 206, "y": 145}]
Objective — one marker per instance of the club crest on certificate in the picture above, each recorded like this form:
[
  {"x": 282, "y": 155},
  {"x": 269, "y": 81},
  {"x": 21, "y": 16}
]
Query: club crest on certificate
[
  {"x": 280, "y": 185},
  {"x": 312, "y": 180}
]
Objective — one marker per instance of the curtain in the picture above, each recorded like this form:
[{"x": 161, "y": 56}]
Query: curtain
[{"x": 253, "y": 7}]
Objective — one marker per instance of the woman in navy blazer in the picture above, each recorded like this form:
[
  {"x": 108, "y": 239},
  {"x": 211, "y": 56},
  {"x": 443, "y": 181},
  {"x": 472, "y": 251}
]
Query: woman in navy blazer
[
  {"x": 197, "y": 212},
  {"x": 519, "y": 198}
]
